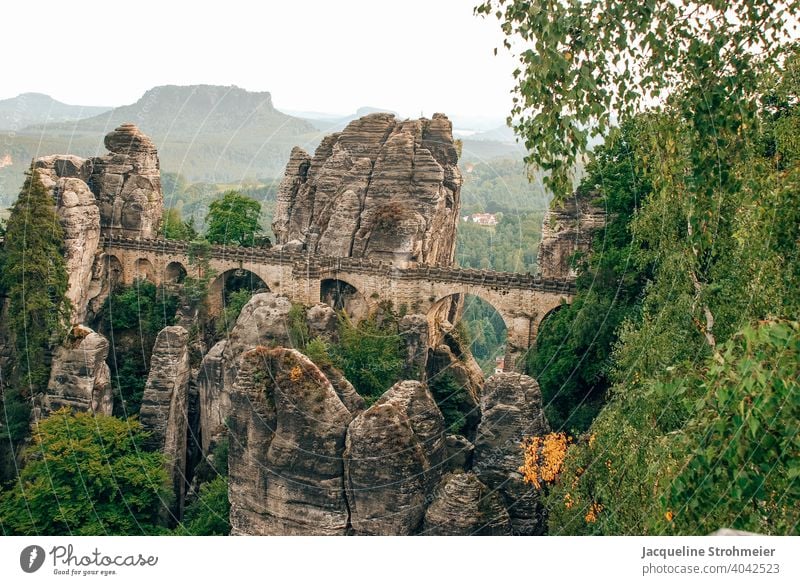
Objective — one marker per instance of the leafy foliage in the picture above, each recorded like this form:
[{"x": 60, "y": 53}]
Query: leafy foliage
[
  {"x": 585, "y": 63},
  {"x": 485, "y": 330},
  {"x": 86, "y": 475},
  {"x": 142, "y": 306},
  {"x": 572, "y": 356},
  {"x": 208, "y": 514},
  {"x": 131, "y": 318},
  {"x": 233, "y": 306},
  {"x": 299, "y": 334},
  {"x": 450, "y": 396},
  {"x": 510, "y": 246},
  {"x": 693, "y": 438},
  {"x": 33, "y": 276},
  {"x": 370, "y": 354},
  {"x": 233, "y": 220},
  {"x": 175, "y": 228}
]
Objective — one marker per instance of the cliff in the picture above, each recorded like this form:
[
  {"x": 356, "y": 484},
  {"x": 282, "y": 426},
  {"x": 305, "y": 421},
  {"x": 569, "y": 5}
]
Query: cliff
[{"x": 381, "y": 188}]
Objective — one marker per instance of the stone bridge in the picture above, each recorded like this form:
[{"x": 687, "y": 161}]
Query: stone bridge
[{"x": 357, "y": 284}]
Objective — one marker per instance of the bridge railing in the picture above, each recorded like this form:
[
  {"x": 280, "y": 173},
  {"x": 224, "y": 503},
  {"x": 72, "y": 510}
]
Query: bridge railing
[{"x": 316, "y": 266}]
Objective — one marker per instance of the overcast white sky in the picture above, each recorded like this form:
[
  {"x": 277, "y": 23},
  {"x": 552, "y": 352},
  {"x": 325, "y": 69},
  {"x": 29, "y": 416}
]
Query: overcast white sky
[{"x": 328, "y": 56}]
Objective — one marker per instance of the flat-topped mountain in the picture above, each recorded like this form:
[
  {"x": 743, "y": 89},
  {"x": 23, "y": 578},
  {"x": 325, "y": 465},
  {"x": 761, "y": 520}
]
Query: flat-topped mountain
[
  {"x": 205, "y": 132},
  {"x": 184, "y": 112}
]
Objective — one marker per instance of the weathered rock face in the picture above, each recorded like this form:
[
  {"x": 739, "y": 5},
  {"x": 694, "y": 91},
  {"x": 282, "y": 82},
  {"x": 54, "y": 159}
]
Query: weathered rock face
[
  {"x": 450, "y": 360},
  {"x": 263, "y": 321},
  {"x": 322, "y": 321},
  {"x": 120, "y": 192},
  {"x": 213, "y": 398},
  {"x": 414, "y": 331},
  {"x": 566, "y": 229},
  {"x": 79, "y": 376},
  {"x": 79, "y": 216},
  {"x": 393, "y": 460},
  {"x": 463, "y": 506},
  {"x": 165, "y": 405},
  {"x": 511, "y": 406},
  {"x": 381, "y": 188},
  {"x": 127, "y": 184},
  {"x": 287, "y": 434}
]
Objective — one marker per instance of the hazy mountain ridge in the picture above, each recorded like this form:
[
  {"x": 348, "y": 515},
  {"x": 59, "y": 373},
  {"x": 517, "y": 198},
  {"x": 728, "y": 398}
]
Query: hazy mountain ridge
[
  {"x": 37, "y": 108},
  {"x": 207, "y": 133}
]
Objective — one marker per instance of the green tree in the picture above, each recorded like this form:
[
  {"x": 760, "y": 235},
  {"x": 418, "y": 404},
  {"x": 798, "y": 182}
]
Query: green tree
[
  {"x": 233, "y": 306},
  {"x": 209, "y": 514},
  {"x": 34, "y": 279},
  {"x": 585, "y": 63},
  {"x": 175, "y": 228},
  {"x": 572, "y": 356},
  {"x": 131, "y": 318},
  {"x": 86, "y": 475},
  {"x": 683, "y": 444},
  {"x": 233, "y": 220},
  {"x": 370, "y": 354}
]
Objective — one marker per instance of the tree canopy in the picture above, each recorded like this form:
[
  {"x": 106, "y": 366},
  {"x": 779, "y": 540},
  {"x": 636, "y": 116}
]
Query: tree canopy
[
  {"x": 584, "y": 65},
  {"x": 33, "y": 276},
  {"x": 233, "y": 220},
  {"x": 86, "y": 475}
]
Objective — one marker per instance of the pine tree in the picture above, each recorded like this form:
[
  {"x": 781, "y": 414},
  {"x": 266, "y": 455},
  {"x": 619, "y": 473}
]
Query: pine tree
[{"x": 34, "y": 280}]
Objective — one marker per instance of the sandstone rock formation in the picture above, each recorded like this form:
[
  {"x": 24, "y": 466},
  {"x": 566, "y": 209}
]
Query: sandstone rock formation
[
  {"x": 287, "y": 434},
  {"x": 119, "y": 192},
  {"x": 264, "y": 320},
  {"x": 568, "y": 228},
  {"x": 381, "y": 188},
  {"x": 79, "y": 376},
  {"x": 459, "y": 453},
  {"x": 165, "y": 405},
  {"x": 463, "y": 506},
  {"x": 79, "y": 216},
  {"x": 414, "y": 331},
  {"x": 393, "y": 460},
  {"x": 127, "y": 184},
  {"x": 511, "y": 407}
]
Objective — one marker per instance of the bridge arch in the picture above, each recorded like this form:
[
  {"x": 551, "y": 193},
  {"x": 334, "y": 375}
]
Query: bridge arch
[
  {"x": 342, "y": 295},
  {"x": 115, "y": 274},
  {"x": 231, "y": 281},
  {"x": 484, "y": 324},
  {"x": 144, "y": 269},
  {"x": 175, "y": 273},
  {"x": 545, "y": 316}
]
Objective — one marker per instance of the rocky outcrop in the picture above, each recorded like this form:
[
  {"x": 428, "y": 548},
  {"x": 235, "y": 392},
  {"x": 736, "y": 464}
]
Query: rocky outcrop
[
  {"x": 381, "y": 188},
  {"x": 568, "y": 228},
  {"x": 263, "y": 321},
  {"x": 457, "y": 380},
  {"x": 127, "y": 184},
  {"x": 511, "y": 407},
  {"x": 79, "y": 217},
  {"x": 414, "y": 331},
  {"x": 119, "y": 192},
  {"x": 165, "y": 405},
  {"x": 287, "y": 434},
  {"x": 213, "y": 398},
  {"x": 393, "y": 460},
  {"x": 463, "y": 506},
  {"x": 322, "y": 321},
  {"x": 79, "y": 376}
]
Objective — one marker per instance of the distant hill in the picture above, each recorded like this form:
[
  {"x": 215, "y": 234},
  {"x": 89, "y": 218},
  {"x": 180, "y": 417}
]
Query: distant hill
[
  {"x": 205, "y": 132},
  {"x": 37, "y": 108},
  {"x": 208, "y": 134}
]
